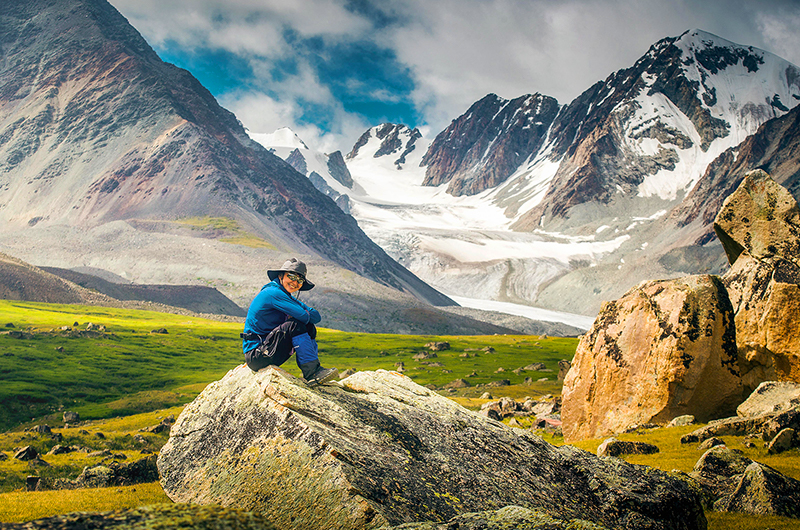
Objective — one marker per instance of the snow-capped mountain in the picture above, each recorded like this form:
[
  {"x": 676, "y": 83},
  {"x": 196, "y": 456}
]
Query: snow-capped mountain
[{"x": 529, "y": 202}]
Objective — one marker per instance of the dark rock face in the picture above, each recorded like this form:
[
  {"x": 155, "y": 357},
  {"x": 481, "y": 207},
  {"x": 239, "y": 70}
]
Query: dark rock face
[
  {"x": 97, "y": 128},
  {"x": 381, "y": 449},
  {"x": 338, "y": 169},
  {"x": 485, "y": 145}
]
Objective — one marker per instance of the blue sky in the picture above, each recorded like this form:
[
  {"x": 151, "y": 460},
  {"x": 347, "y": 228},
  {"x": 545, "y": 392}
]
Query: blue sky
[{"x": 330, "y": 69}]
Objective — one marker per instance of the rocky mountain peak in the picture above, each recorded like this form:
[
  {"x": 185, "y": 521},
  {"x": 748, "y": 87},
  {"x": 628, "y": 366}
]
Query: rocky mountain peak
[
  {"x": 486, "y": 144},
  {"x": 393, "y": 140}
]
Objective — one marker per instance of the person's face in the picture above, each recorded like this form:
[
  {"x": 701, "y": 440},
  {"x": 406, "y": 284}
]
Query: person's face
[{"x": 291, "y": 282}]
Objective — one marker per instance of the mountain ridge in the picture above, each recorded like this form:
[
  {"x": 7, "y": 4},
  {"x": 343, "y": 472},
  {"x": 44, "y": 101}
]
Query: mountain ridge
[{"x": 95, "y": 129}]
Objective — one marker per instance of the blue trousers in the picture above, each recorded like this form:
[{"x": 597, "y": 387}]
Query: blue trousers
[{"x": 275, "y": 349}]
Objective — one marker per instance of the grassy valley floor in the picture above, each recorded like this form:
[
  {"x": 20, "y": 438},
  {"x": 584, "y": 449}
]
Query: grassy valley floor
[{"x": 126, "y": 371}]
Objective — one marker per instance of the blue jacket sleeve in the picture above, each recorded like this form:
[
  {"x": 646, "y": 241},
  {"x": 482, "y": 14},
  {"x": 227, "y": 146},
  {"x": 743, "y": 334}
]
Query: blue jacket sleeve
[{"x": 296, "y": 309}]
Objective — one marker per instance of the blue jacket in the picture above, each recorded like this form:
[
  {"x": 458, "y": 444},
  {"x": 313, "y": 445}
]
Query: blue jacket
[{"x": 271, "y": 307}]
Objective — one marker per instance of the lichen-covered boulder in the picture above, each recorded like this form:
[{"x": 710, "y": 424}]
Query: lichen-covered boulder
[
  {"x": 379, "y": 449},
  {"x": 765, "y": 295},
  {"x": 760, "y": 217},
  {"x": 763, "y": 491},
  {"x": 770, "y": 397},
  {"x": 759, "y": 227},
  {"x": 508, "y": 518},
  {"x": 665, "y": 349}
]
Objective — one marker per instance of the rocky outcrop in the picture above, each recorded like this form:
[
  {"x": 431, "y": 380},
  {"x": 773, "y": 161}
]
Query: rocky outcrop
[
  {"x": 759, "y": 226},
  {"x": 510, "y": 517},
  {"x": 770, "y": 397},
  {"x": 760, "y": 217},
  {"x": 378, "y": 448},
  {"x": 667, "y": 348}
]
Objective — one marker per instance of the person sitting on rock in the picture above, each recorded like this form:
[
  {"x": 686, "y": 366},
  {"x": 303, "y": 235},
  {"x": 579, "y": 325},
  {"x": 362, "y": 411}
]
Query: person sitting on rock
[{"x": 279, "y": 324}]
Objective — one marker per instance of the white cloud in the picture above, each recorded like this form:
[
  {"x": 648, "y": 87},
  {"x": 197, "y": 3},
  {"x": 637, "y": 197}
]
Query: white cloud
[{"x": 456, "y": 50}]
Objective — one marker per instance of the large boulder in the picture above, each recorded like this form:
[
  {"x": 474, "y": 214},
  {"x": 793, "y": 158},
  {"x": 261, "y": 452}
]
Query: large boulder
[
  {"x": 769, "y": 397},
  {"x": 765, "y": 294},
  {"x": 759, "y": 226},
  {"x": 760, "y": 217},
  {"x": 665, "y": 349},
  {"x": 379, "y": 449}
]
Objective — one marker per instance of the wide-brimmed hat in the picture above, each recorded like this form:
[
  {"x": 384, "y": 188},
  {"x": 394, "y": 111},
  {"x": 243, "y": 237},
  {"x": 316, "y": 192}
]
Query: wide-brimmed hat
[{"x": 296, "y": 266}]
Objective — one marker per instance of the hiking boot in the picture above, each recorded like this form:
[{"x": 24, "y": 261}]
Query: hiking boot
[{"x": 314, "y": 374}]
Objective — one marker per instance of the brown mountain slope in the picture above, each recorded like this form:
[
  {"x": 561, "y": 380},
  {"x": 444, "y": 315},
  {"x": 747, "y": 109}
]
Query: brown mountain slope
[{"x": 95, "y": 128}]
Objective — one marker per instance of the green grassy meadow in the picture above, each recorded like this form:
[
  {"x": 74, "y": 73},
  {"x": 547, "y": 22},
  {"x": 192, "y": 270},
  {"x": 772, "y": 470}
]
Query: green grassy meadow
[
  {"x": 49, "y": 364},
  {"x": 127, "y": 378}
]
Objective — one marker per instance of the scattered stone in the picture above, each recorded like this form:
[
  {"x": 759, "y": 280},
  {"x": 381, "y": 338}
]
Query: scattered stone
[
  {"x": 763, "y": 491},
  {"x": 160, "y": 331},
  {"x": 473, "y": 374},
  {"x": 614, "y": 447},
  {"x": 37, "y": 462},
  {"x": 783, "y": 441},
  {"x": 435, "y": 365},
  {"x": 9, "y": 325},
  {"x": 421, "y": 356},
  {"x": 488, "y": 349},
  {"x": 458, "y": 383},
  {"x": 500, "y": 370},
  {"x": 682, "y": 421},
  {"x": 60, "y": 450},
  {"x": 83, "y": 432},
  {"x": 98, "y": 454},
  {"x": 400, "y": 367},
  {"x": 486, "y": 395},
  {"x": 100, "y": 435},
  {"x": 438, "y": 346},
  {"x": 113, "y": 474},
  {"x": 139, "y": 439},
  {"x": 347, "y": 373},
  {"x": 543, "y": 337},
  {"x": 500, "y": 382},
  {"x": 295, "y": 445},
  {"x": 542, "y": 379},
  {"x": 42, "y": 429},
  {"x": 665, "y": 349},
  {"x": 32, "y": 483},
  {"x": 711, "y": 442},
  {"x": 769, "y": 397},
  {"x": 3, "y": 456},
  {"x": 533, "y": 367},
  {"x": 59, "y": 349},
  {"x": 26, "y": 453},
  {"x": 465, "y": 355}
]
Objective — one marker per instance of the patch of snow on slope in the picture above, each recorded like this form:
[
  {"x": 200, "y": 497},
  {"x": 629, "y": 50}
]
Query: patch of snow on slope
[{"x": 534, "y": 313}]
